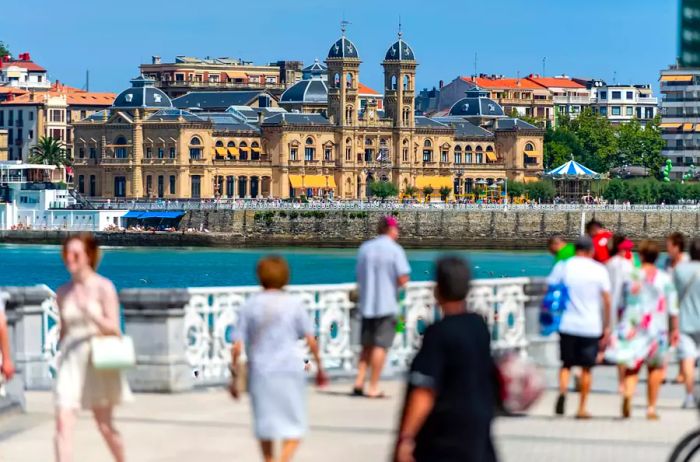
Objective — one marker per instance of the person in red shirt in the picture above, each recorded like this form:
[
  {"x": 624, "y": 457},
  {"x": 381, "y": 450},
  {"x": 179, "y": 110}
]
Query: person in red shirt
[{"x": 601, "y": 238}]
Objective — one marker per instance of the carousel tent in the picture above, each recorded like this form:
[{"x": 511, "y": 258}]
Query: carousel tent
[{"x": 573, "y": 181}]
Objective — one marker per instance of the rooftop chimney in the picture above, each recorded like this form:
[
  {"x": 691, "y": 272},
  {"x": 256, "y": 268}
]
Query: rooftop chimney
[
  {"x": 441, "y": 83},
  {"x": 155, "y": 59}
]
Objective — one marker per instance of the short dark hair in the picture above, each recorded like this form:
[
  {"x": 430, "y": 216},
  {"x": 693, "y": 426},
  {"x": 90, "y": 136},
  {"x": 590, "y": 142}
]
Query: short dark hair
[
  {"x": 677, "y": 239},
  {"x": 593, "y": 224},
  {"x": 554, "y": 239},
  {"x": 695, "y": 249},
  {"x": 453, "y": 277},
  {"x": 583, "y": 243},
  {"x": 617, "y": 239},
  {"x": 648, "y": 251}
]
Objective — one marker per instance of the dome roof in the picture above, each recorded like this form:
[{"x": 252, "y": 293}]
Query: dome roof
[
  {"x": 476, "y": 107},
  {"x": 313, "y": 70},
  {"x": 400, "y": 51},
  {"x": 309, "y": 91},
  {"x": 142, "y": 94},
  {"x": 343, "y": 48}
]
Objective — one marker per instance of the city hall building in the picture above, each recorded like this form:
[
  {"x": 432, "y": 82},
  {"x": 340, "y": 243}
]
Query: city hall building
[{"x": 144, "y": 146}]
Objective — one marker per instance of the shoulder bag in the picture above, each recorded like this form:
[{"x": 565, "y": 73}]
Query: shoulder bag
[
  {"x": 553, "y": 305},
  {"x": 111, "y": 352}
]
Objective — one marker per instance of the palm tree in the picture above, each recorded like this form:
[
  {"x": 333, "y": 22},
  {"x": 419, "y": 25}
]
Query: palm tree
[
  {"x": 427, "y": 191},
  {"x": 410, "y": 191},
  {"x": 49, "y": 151},
  {"x": 445, "y": 192}
]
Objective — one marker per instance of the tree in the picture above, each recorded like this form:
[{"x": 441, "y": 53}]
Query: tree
[
  {"x": 4, "y": 49},
  {"x": 383, "y": 189},
  {"x": 445, "y": 192},
  {"x": 560, "y": 145},
  {"x": 49, "y": 151},
  {"x": 537, "y": 122},
  {"x": 542, "y": 191},
  {"x": 615, "y": 191},
  {"x": 516, "y": 189},
  {"x": 428, "y": 190},
  {"x": 597, "y": 139},
  {"x": 410, "y": 191}
]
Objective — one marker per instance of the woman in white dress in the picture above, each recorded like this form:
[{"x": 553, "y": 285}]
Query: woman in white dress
[{"x": 88, "y": 307}]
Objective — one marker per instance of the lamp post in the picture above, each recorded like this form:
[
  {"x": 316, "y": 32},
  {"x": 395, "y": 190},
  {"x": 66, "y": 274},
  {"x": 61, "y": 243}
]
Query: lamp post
[{"x": 504, "y": 182}]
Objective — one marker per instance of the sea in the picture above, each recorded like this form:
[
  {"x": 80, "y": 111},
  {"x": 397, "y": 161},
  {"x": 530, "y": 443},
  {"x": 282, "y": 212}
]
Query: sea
[{"x": 166, "y": 267}]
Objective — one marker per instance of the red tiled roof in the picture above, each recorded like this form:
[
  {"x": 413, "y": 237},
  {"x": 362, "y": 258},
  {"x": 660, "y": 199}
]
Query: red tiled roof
[
  {"x": 28, "y": 65},
  {"x": 13, "y": 90},
  {"x": 556, "y": 82},
  {"x": 496, "y": 83},
  {"x": 74, "y": 97},
  {"x": 363, "y": 89}
]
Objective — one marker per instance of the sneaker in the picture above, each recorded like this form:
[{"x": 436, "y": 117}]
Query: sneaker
[
  {"x": 689, "y": 402},
  {"x": 559, "y": 409}
]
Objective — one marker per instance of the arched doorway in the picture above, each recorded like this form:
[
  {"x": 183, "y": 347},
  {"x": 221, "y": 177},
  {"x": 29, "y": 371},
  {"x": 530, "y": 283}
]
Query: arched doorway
[
  {"x": 254, "y": 186},
  {"x": 242, "y": 186},
  {"x": 368, "y": 185},
  {"x": 266, "y": 186}
]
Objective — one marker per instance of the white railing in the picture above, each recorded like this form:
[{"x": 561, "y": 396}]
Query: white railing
[{"x": 212, "y": 313}]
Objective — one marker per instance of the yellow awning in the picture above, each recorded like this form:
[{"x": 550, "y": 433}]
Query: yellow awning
[
  {"x": 295, "y": 181},
  {"x": 236, "y": 75},
  {"x": 233, "y": 151},
  {"x": 312, "y": 181},
  {"x": 491, "y": 156},
  {"x": 213, "y": 152},
  {"x": 676, "y": 78},
  {"x": 255, "y": 149},
  {"x": 687, "y": 127},
  {"x": 670, "y": 125},
  {"x": 436, "y": 182},
  {"x": 220, "y": 151},
  {"x": 531, "y": 154}
]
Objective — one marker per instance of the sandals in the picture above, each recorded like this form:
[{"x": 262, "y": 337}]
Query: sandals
[{"x": 626, "y": 408}]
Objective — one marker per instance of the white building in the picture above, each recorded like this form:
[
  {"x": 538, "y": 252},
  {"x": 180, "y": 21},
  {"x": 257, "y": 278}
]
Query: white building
[
  {"x": 622, "y": 103},
  {"x": 28, "y": 202},
  {"x": 680, "y": 117},
  {"x": 23, "y": 73}
]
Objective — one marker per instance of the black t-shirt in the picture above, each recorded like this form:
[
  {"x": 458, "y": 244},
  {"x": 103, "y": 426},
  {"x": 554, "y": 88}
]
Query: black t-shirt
[{"x": 455, "y": 361}]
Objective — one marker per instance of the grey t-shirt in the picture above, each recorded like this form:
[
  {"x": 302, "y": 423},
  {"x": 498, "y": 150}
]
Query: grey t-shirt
[
  {"x": 686, "y": 276},
  {"x": 380, "y": 263},
  {"x": 270, "y": 324}
]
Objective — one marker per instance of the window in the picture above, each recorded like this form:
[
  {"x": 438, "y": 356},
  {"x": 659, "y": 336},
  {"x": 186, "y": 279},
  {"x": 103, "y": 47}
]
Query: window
[
  {"x": 93, "y": 185},
  {"x": 31, "y": 134},
  {"x": 172, "y": 184},
  {"x": 479, "y": 155},
  {"x": 2, "y": 118},
  {"x": 172, "y": 153},
  {"x": 255, "y": 148},
  {"x": 529, "y": 147},
  {"x": 444, "y": 156},
  {"x": 119, "y": 186},
  {"x": 10, "y": 117},
  {"x": 603, "y": 94},
  {"x": 603, "y": 111},
  {"x": 616, "y": 111},
  {"x": 81, "y": 153},
  {"x": 161, "y": 186},
  {"x": 161, "y": 153},
  {"x": 427, "y": 155},
  {"x": 327, "y": 154},
  {"x": 348, "y": 153},
  {"x": 243, "y": 151},
  {"x": 369, "y": 154},
  {"x": 83, "y": 114},
  {"x": 93, "y": 153},
  {"x": 293, "y": 154},
  {"x": 120, "y": 148},
  {"x": 630, "y": 95},
  {"x": 196, "y": 190},
  {"x": 629, "y": 110},
  {"x": 149, "y": 153},
  {"x": 31, "y": 115},
  {"x": 195, "y": 150},
  {"x": 149, "y": 185},
  {"x": 81, "y": 184},
  {"x": 616, "y": 95},
  {"x": 458, "y": 155},
  {"x": 468, "y": 155}
]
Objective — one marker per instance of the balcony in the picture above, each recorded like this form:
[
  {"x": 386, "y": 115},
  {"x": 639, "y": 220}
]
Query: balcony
[
  {"x": 159, "y": 161},
  {"x": 185, "y": 84},
  {"x": 572, "y": 100},
  {"x": 83, "y": 161},
  {"x": 199, "y": 161},
  {"x": 242, "y": 163},
  {"x": 116, "y": 160}
]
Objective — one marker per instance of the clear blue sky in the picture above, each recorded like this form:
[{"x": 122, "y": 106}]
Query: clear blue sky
[{"x": 632, "y": 38}]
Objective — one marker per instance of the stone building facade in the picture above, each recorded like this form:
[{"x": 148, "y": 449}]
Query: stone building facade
[{"x": 144, "y": 147}]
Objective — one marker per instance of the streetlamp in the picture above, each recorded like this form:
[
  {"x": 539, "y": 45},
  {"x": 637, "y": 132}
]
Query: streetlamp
[{"x": 504, "y": 182}]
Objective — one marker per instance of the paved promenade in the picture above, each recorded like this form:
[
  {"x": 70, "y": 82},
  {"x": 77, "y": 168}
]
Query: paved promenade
[{"x": 208, "y": 426}]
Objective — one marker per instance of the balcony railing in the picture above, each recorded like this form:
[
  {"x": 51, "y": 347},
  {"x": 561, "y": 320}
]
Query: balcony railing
[
  {"x": 115, "y": 160},
  {"x": 159, "y": 161}
]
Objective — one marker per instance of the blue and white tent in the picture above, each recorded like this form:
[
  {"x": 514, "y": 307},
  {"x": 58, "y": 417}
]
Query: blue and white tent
[{"x": 573, "y": 169}]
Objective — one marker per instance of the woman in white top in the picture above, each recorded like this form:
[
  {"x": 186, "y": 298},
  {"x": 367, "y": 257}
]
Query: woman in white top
[{"x": 88, "y": 307}]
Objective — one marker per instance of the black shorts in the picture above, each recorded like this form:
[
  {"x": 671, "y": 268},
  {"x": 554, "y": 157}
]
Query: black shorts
[
  {"x": 378, "y": 332},
  {"x": 578, "y": 351}
]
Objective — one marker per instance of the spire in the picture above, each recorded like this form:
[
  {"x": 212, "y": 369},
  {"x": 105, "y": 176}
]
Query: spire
[{"x": 400, "y": 32}]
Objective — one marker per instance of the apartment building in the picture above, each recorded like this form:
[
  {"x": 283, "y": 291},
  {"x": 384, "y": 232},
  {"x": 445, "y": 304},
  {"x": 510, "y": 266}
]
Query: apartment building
[
  {"x": 23, "y": 73},
  {"x": 621, "y": 103}
]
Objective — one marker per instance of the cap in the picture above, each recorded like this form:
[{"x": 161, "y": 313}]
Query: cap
[
  {"x": 391, "y": 222},
  {"x": 626, "y": 245},
  {"x": 584, "y": 243}
]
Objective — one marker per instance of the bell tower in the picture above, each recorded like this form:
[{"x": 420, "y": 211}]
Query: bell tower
[
  {"x": 343, "y": 64},
  {"x": 399, "y": 83}
]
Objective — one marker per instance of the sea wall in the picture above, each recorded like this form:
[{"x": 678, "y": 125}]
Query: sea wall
[{"x": 496, "y": 229}]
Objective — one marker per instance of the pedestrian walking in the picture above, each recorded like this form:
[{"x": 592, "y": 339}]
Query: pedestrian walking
[
  {"x": 686, "y": 277},
  {"x": 382, "y": 268},
  {"x": 269, "y": 327},
  {"x": 601, "y": 239},
  {"x": 642, "y": 335},
  {"x": 559, "y": 248},
  {"x": 88, "y": 308},
  {"x": 7, "y": 367},
  {"x": 675, "y": 248},
  {"x": 585, "y": 322},
  {"x": 453, "y": 384}
]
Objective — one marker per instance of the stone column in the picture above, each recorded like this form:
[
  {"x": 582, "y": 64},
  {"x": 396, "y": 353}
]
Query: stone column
[
  {"x": 155, "y": 320},
  {"x": 137, "y": 156},
  {"x": 24, "y": 309}
]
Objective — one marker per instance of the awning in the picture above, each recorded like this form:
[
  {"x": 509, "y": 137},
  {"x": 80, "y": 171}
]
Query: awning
[
  {"x": 312, "y": 181},
  {"x": 233, "y": 151},
  {"x": 132, "y": 214},
  {"x": 162, "y": 214},
  {"x": 221, "y": 151},
  {"x": 531, "y": 154},
  {"x": 687, "y": 127},
  {"x": 491, "y": 156},
  {"x": 236, "y": 75},
  {"x": 213, "y": 152},
  {"x": 670, "y": 125},
  {"x": 676, "y": 78},
  {"x": 436, "y": 182},
  {"x": 254, "y": 149}
]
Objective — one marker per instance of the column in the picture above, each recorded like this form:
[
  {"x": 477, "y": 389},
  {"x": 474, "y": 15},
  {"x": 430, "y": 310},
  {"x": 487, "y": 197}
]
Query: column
[
  {"x": 137, "y": 156},
  {"x": 284, "y": 184},
  {"x": 155, "y": 320}
]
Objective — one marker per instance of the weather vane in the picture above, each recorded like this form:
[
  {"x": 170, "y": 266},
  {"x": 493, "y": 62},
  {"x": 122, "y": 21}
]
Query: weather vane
[
  {"x": 400, "y": 33},
  {"x": 343, "y": 26}
]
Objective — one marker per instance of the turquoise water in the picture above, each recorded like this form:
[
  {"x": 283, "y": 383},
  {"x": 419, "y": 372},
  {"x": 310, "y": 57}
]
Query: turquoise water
[{"x": 200, "y": 267}]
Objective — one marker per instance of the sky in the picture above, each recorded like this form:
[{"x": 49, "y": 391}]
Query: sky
[{"x": 622, "y": 41}]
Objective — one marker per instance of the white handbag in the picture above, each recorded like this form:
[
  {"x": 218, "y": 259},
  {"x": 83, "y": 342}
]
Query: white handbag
[{"x": 111, "y": 352}]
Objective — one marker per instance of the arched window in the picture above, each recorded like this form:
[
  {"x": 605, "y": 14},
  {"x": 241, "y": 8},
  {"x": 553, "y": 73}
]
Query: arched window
[
  {"x": 529, "y": 147},
  {"x": 231, "y": 144},
  {"x": 336, "y": 80},
  {"x": 428, "y": 143},
  {"x": 309, "y": 140},
  {"x": 309, "y": 150},
  {"x": 231, "y": 154},
  {"x": 243, "y": 150},
  {"x": 393, "y": 82},
  {"x": 427, "y": 151},
  {"x": 195, "y": 141},
  {"x": 348, "y": 114},
  {"x": 468, "y": 159},
  {"x": 219, "y": 144},
  {"x": 479, "y": 155},
  {"x": 489, "y": 148},
  {"x": 406, "y": 82},
  {"x": 348, "y": 80},
  {"x": 369, "y": 141},
  {"x": 120, "y": 148},
  {"x": 195, "y": 148},
  {"x": 458, "y": 154},
  {"x": 255, "y": 148}
]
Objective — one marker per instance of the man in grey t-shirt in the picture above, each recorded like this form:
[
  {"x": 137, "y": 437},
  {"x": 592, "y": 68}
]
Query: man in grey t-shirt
[
  {"x": 382, "y": 268},
  {"x": 686, "y": 276}
]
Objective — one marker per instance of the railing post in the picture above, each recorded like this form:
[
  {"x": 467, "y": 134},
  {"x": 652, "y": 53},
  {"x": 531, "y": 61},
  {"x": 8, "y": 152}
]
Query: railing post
[
  {"x": 155, "y": 320},
  {"x": 32, "y": 334},
  {"x": 14, "y": 389}
]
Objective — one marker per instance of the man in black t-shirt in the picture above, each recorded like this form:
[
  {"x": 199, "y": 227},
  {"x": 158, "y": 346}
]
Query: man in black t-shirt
[{"x": 452, "y": 384}]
